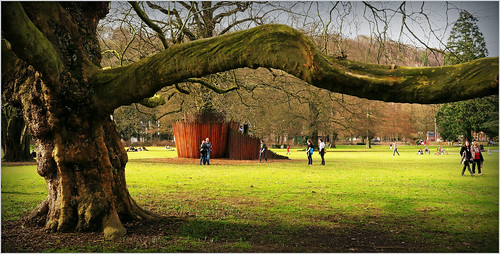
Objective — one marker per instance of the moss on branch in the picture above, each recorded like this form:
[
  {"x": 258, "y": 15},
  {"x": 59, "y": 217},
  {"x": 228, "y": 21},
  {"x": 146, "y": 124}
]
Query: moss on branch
[
  {"x": 28, "y": 43},
  {"x": 153, "y": 102},
  {"x": 282, "y": 47}
]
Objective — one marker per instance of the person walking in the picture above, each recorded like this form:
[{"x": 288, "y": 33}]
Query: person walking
[
  {"x": 262, "y": 152},
  {"x": 203, "y": 152},
  {"x": 477, "y": 159},
  {"x": 395, "y": 148},
  {"x": 209, "y": 150},
  {"x": 309, "y": 151},
  {"x": 466, "y": 157},
  {"x": 288, "y": 149},
  {"x": 322, "y": 151}
]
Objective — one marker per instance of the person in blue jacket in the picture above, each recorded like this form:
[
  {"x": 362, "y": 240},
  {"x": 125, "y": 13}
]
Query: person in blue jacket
[{"x": 309, "y": 151}]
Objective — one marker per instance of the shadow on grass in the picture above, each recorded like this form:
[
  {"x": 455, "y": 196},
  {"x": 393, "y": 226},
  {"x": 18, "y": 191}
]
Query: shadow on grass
[
  {"x": 199, "y": 235},
  {"x": 191, "y": 234},
  {"x": 220, "y": 236}
]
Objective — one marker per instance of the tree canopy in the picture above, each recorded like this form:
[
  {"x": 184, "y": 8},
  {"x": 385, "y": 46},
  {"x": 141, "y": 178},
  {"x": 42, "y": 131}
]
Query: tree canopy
[{"x": 463, "y": 118}]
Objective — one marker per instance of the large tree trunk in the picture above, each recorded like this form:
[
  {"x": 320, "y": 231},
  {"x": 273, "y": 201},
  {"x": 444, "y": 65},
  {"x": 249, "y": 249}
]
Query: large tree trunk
[
  {"x": 80, "y": 157},
  {"x": 79, "y": 151},
  {"x": 85, "y": 175}
]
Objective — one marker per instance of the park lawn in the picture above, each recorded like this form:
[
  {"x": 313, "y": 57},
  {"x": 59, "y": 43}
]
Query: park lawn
[{"x": 362, "y": 200}]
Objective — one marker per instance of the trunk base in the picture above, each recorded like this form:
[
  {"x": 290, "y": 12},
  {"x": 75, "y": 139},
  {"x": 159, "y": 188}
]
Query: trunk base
[{"x": 113, "y": 228}]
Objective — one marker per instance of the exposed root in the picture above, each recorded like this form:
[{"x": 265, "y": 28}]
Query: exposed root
[
  {"x": 38, "y": 216},
  {"x": 113, "y": 228}
]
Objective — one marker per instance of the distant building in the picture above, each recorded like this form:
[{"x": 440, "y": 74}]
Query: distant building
[
  {"x": 433, "y": 138},
  {"x": 479, "y": 136}
]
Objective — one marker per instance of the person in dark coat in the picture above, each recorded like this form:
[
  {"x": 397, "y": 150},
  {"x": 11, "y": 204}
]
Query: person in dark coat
[
  {"x": 262, "y": 152},
  {"x": 203, "y": 152},
  {"x": 466, "y": 157}
]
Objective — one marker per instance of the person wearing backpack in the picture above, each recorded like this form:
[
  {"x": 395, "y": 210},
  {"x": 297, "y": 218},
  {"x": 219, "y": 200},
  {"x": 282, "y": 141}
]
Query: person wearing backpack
[
  {"x": 203, "y": 152},
  {"x": 309, "y": 151}
]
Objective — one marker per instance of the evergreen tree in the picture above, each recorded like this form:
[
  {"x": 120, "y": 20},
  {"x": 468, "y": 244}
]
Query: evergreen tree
[
  {"x": 465, "y": 117},
  {"x": 466, "y": 43}
]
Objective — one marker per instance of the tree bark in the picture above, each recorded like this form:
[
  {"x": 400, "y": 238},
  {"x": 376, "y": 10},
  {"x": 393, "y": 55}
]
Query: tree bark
[{"x": 85, "y": 176}]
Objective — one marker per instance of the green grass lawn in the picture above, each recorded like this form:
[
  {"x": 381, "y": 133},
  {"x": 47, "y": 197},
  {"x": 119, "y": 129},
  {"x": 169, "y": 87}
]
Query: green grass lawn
[{"x": 361, "y": 198}]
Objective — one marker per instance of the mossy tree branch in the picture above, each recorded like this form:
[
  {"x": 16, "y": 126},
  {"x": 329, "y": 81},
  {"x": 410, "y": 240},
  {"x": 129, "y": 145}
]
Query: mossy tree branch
[
  {"x": 28, "y": 43},
  {"x": 282, "y": 47}
]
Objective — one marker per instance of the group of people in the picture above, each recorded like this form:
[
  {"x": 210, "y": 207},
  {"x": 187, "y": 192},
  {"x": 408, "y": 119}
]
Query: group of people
[
  {"x": 471, "y": 154},
  {"x": 205, "y": 149},
  {"x": 134, "y": 149},
  {"x": 439, "y": 151},
  {"x": 310, "y": 151}
]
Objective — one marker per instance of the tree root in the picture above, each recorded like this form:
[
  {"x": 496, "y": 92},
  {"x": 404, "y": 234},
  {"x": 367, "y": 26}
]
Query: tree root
[{"x": 113, "y": 228}]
